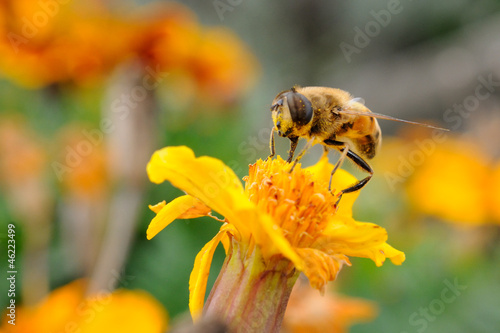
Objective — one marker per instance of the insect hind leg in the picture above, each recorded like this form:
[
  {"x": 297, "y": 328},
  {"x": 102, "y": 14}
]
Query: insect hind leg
[
  {"x": 346, "y": 152},
  {"x": 360, "y": 184}
]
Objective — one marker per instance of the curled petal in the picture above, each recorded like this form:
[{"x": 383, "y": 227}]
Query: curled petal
[
  {"x": 397, "y": 257},
  {"x": 183, "y": 207},
  {"x": 230, "y": 232},
  {"x": 156, "y": 208},
  {"x": 199, "y": 275}
]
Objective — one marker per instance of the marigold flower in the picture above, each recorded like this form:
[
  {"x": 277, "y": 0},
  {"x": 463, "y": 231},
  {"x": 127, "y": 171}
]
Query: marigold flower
[
  {"x": 277, "y": 224},
  {"x": 66, "y": 308}
]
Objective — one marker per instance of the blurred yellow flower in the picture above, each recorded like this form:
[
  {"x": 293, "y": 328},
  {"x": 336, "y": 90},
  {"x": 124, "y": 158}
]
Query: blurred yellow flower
[
  {"x": 66, "y": 309},
  {"x": 453, "y": 183},
  {"x": 279, "y": 223},
  {"x": 309, "y": 312}
]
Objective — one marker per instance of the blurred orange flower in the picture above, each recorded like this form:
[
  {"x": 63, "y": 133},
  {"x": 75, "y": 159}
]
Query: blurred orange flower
[
  {"x": 82, "y": 166},
  {"x": 66, "y": 308},
  {"x": 310, "y": 312},
  {"x": 22, "y": 169},
  {"x": 220, "y": 66},
  {"x": 21, "y": 154},
  {"x": 49, "y": 42},
  {"x": 44, "y": 43}
]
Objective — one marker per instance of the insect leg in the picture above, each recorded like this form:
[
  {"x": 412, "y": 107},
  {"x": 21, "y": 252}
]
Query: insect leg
[
  {"x": 271, "y": 144},
  {"x": 302, "y": 153},
  {"x": 325, "y": 151},
  {"x": 293, "y": 145},
  {"x": 357, "y": 160},
  {"x": 344, "y": 152},
  {"x": 360, "y": 184}
]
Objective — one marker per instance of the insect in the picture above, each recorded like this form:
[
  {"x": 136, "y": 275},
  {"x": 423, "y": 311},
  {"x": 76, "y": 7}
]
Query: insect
[{"x": 333, "y": 118}]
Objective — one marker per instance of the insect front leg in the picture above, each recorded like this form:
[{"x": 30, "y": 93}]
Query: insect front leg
[
  {"x": 325, "y": 151},
  {"x": 271, "y": 145},
  {"x": 293, "y": 145},
  {"x": 302, "y": 153}
]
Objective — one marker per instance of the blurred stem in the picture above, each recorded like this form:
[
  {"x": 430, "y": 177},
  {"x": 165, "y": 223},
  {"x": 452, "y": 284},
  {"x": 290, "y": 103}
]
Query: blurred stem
[
  {"x": 32, "y": 207},
  {"x": 36, "y": 262},
  {"x": 130, "y": 109},
  {"x": 124, "y": 208}
]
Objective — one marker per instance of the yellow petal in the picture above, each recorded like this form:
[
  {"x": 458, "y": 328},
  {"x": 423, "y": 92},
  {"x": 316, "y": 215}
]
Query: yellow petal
[
  {"x": 198, "y": 209},
  {"x": 397, "y": 257},
  {"x": 226, "y": 239},
  {"x": 199, "y": 275},
  {"x": 182, "y": 207},
  {"x": 359, "y": 239},
  {"x": 340, "y": 181},
  {"x": 156, "y": 208},
  {"x": 205, "y": 178}
]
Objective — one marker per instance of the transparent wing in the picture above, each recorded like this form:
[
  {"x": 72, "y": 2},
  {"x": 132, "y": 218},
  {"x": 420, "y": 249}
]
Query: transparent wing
[
  {"x": 357, "y": 100},
  {"x": 383, "y": 116}
]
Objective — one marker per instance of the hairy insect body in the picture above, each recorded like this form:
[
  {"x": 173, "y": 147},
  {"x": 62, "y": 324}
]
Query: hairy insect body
[{"x": 328, "y": 124}]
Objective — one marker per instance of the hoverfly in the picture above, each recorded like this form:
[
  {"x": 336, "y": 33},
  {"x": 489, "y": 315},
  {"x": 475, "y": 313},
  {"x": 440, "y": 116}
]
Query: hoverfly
[{"x": 333, "y": 118}]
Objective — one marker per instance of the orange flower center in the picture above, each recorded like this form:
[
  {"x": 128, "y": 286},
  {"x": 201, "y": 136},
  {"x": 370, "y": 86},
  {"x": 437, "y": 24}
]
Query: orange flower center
[{"x": 299, "y": 204}]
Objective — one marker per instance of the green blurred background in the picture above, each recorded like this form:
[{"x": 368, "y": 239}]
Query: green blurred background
[{"x": 417, "y": 61}]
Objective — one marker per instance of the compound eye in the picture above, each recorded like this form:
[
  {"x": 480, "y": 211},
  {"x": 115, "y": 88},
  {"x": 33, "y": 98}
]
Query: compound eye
[
  {"x": 276, "y": 105},
  {"x": 300, "y": 108}
]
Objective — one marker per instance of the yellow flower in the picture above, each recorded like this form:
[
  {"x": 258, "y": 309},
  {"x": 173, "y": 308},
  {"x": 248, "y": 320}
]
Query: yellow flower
[
  {"x": 277, "y": 224},
  {"x": 66, "y": 309},
  {"x": 452, "y": 183}
]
